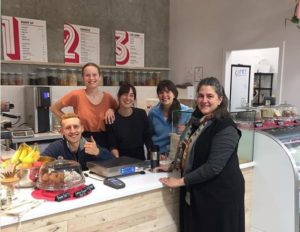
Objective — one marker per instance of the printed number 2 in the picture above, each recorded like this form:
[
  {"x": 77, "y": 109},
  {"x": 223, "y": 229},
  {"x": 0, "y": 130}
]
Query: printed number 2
[{"x": 71, "y": 41}]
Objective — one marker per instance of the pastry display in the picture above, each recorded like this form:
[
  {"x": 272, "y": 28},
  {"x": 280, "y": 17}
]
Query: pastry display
[{"x": 60, "y": 175}]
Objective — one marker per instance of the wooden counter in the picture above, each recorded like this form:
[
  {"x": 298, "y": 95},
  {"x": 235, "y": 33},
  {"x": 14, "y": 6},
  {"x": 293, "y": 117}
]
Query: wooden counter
[{"x": 144, "y": 205}]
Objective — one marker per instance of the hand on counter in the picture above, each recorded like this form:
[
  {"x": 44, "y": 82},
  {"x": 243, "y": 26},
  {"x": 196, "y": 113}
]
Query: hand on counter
[{"x": 172, "y": 182}]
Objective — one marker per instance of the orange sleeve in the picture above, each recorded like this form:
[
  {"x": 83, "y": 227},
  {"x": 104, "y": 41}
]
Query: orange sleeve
[{"x": 71, "y": 98}]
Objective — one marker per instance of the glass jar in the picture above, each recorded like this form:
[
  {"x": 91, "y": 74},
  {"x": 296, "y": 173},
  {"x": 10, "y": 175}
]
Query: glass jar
[
  {"x": 32, "y": 78},
  {"x": 151, "y": 79},
  {"x": 130, "y": 77},
  {"x": 114, "y": 78},
  {"x": 143, "y": 78},
  {"x": 148, "y": 79},
  {"x": 52, "y": 76},
  {"x": 157, "y": 78},
  {"x": 42, "y": 76},
  {"x": 72, "y": 78},
  {"x": 11, "y": 78},
  {"x": 137, "y": 79},
  {"x": 122, "y": 77},
  {"x": 79, "y": 77},
  {"x": 62, "y": 76},
  {"x": 4, "y": 78},
  {"x": 19, "y": 78}
]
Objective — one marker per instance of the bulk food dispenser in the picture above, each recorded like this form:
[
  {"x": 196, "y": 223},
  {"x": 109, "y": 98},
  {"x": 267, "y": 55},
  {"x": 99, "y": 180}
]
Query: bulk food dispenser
[{"x": 37, "y": 108}]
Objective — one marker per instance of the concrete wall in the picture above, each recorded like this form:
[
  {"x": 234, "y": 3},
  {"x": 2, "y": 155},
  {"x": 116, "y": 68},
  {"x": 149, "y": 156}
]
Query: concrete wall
[
  {"x": 149, "y": 17},
  {"x": 202, "y": 31},
  {"x": 143, "y": 16}
]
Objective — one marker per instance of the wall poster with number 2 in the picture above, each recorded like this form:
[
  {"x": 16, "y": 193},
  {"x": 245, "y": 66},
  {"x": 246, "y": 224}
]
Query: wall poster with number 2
[
  {"x": 82, "y": 44},
  {"x": 129, "y": 49}
]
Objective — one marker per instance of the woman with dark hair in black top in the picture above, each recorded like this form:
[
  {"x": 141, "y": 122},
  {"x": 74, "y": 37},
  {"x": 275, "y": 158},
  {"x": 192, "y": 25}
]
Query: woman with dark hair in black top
[
  {"x": 212, "y": 184},
  {"x": 129, "y": 133}
]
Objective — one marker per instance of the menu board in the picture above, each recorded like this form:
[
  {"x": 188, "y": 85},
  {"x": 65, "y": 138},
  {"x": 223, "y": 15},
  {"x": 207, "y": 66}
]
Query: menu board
[
  {"x": 82, "y": 44},
  {"x": 24, "y": 39},
  {"x": 239, "y": 86},
  {"x": 129, "y": 49}
]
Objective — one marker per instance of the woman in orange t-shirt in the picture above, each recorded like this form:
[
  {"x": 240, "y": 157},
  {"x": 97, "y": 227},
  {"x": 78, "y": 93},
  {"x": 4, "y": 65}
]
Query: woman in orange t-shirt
[{"x": 94, "y": 108}]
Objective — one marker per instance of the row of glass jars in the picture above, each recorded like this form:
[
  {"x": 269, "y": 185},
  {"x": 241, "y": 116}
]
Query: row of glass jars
[
  {"x": 137, "y": 78},
  {"x": 10, "y": 78},
  {"x": 55, "y": 76},
  {"x": 72, "y": 77}
]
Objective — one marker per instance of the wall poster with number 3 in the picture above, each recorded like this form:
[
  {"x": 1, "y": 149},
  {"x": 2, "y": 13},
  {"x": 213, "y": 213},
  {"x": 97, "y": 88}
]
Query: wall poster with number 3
[{"x": 129, "y": 49}]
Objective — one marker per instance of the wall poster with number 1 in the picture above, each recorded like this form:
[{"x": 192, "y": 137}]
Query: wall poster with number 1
[
  {"x": 130, "y": 49},
  {"x": 82, "y": 44},
  {"x": 24, "y": 39}
]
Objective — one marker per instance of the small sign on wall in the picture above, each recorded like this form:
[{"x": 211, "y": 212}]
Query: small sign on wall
[
  {"x": 82, "y": 44},
  {"x": 24, "y": 39},
  {"x": 239, "y": 86},
  {"x": 130, "y": 49},
  {"x": 198, "y": 73}
]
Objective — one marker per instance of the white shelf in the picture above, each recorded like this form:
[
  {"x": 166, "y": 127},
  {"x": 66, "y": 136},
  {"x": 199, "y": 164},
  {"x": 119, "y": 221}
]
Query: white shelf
[{"x": 80, "y": 65}]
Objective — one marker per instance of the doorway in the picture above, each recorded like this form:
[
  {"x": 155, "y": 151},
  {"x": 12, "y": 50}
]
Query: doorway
[{"x": 261, "y": 61}]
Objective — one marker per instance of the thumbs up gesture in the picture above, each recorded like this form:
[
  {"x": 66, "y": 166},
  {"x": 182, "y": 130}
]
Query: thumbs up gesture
[{"x": 91, "y": 147}]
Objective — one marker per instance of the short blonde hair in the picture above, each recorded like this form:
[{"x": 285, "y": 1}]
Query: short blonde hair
[{"x": 67, "y": 116}]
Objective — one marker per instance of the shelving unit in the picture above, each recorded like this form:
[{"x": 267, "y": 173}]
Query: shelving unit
[
  {"x": 263, "y": 85},
  {"x": 80, "y": 65},
  {"x": 112, "y": 75}
]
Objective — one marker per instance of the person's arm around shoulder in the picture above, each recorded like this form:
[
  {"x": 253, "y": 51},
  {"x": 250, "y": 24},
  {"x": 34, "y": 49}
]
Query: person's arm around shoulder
[{"x": 110, "y": 113}]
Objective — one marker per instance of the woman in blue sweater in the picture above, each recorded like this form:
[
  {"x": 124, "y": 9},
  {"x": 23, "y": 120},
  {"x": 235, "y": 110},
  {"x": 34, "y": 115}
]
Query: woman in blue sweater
[{"x": 160, "y": 116}]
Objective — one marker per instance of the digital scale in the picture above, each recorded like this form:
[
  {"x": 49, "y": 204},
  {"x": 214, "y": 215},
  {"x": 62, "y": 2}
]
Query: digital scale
[
  {"x": 21, "y": 132},
  {"x": 121, "y": 166}
]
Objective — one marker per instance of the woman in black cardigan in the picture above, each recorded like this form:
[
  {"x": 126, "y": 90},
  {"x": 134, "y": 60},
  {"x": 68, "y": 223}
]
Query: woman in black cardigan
[{"x": 212, "y": 192}]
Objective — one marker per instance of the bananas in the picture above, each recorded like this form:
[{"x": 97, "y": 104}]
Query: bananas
[
  {"x": 25, "y": 156},
  {"x": 25, "y": 151},
  {"x": 32, "y": 156}
]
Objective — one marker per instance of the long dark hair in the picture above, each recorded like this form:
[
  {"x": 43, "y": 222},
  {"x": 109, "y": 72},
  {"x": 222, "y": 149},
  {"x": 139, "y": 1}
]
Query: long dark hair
[
  {"x": 222, "y": 110},
  {"x": 167, "y": 85}
]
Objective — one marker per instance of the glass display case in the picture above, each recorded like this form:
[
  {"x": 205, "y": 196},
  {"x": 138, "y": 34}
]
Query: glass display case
[
  {"x": 245, "y": 122},
  {"x": 290, "y": 138},
  {"x": 276, "y": 180}
]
